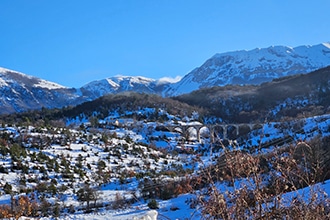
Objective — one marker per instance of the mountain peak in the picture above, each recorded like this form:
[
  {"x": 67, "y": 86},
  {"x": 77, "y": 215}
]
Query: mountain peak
[
  {"x": 119, "y": 84},
  {"x": 10, "y": 76},
  {"x": 21, "y": 92},
  {"x": 132, "y": 79},
  {"x": 253, "y": 67}
]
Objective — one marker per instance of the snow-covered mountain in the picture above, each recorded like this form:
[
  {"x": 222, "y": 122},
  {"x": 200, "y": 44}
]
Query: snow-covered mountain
[
  {"x": 119, "y": 84},
  {"x": 237, "y": 67},
  {"x": 253, "y": 67},
  {"x": 20, "y": 92}
]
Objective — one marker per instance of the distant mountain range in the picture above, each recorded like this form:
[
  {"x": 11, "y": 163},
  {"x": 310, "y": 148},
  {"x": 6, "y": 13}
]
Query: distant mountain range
[{"x": 20, "y": 92}]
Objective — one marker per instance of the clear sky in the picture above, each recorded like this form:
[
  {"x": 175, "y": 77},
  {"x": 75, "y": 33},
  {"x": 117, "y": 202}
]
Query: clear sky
[{"x": 73, "y": 42}]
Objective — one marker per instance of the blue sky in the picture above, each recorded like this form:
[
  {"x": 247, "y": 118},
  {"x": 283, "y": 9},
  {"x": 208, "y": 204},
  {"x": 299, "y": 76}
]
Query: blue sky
[{"x": 73, "y": 42}]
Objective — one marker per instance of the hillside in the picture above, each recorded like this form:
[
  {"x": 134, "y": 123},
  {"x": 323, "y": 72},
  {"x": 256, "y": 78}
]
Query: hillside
[
  {"x": 296, "y": 96},
  {"x": 293, "y": 96},
  {"x": 120, "y": 164}
]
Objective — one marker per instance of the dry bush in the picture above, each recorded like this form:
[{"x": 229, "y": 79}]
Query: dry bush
[
  {"x": 5, "y": 211},
  {"x": 21, "y": 206},
  {"x": 254, "y": 192}
]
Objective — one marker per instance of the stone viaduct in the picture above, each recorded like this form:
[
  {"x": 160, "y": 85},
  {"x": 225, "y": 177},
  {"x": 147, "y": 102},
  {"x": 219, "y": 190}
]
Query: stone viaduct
[{"x": 216, "y": 131}]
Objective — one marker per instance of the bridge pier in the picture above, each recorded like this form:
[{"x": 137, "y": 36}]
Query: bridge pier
[{"x": 224, "y": 130}]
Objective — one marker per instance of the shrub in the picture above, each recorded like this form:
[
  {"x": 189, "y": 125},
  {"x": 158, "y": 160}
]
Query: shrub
[
  {"x": 153, "y": 204},
  {"x": 120, "y": 202},
  {"x": 8, "y": 189},
  {"x": 87, "y": 194}
]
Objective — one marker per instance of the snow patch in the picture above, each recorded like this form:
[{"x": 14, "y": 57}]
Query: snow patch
[
  {"x": 327, "y": 44},
  {"x": 166, "y": 80},
  {"x": 48, "y": 85}
]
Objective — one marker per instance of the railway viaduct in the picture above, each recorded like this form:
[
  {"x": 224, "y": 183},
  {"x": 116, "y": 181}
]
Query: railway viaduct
[{"x": 220, "y": 131}]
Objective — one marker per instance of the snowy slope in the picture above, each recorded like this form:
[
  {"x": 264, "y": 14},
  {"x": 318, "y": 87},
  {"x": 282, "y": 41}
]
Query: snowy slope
[
  {"x": 20, "y": 92},
  {"x": 253, "y": 67},
  {"x": 8, "y": 77}
]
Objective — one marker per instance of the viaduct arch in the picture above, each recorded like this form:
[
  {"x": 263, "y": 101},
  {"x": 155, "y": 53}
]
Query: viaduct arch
[{"x": 217, "y": 131}]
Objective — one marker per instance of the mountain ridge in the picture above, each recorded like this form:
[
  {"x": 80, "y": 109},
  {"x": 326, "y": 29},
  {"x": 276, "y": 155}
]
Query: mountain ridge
[
  {"x": 253, "y": 67},
  {"x": 21, "y": 92}
]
